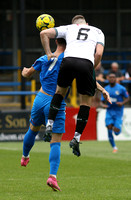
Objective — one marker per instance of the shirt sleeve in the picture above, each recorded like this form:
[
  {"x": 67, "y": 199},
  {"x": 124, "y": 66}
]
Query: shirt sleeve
[
  {"x": 39, "y": 62},
  {"x": 125, "y": 93},
  {"x": 100, "y": 37},
  {"x": 61, "y": 31}
]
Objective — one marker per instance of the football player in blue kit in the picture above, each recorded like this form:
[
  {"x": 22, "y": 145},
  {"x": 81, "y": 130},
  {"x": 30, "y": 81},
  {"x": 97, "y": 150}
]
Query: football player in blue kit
[
  {"x": 39, "y": 113},
  {"x": 114, "y": 114}
]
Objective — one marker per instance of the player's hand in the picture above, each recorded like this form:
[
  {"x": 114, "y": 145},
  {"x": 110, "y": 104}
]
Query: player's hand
[
  {"x": 119, "y": 104},
  {"x": 51, "y": 55},
  {"x": 106, "y": 96},
  {"x": 25, "y": 71}
]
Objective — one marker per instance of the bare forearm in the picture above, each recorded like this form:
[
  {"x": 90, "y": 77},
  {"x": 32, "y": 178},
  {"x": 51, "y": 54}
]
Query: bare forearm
[
  {"x": 97, "y": 59},
  {"x": 125, "y": 100},
  {"x": 99, "y": 87},
  {"x": 104, "y": 92},
  {"x": 28, "y": 72}
]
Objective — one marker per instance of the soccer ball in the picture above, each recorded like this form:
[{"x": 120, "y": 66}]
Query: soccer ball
[{"x": 45, "y": 21}]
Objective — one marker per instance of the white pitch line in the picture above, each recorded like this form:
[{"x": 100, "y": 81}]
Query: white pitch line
[{"x": 7, "y": 148}]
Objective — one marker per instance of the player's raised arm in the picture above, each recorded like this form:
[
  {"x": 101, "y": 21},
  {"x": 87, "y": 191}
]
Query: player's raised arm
[{"x": 45, "y": 36}]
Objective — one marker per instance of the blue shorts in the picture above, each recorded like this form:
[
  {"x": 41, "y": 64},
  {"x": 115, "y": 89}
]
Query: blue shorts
[
  {"x": 115, "y": 120},
  {"x": 40, "y": 111}
]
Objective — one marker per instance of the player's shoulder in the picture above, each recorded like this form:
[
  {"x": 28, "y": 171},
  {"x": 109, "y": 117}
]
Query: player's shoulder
[
  {"x": 61, "y": 55},
  {"x": 95, "y": 29},
  {"x": 43, "y": 58},
  {"x": 63, "y": 27},
  {"x": 120, "y": 86}
]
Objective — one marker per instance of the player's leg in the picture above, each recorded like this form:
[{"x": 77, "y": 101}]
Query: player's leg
[
  {"x": 110, "y": 136},
  {"x": 65, "y": 78},
  {"x": 118, "y": 125},
  {"x": 117, "y": 128},
  {"x": 36, "y": 120},
  {"x": 55, "y": 106},
  {"x": 54, "y": 160},
  {"x": 55, "y": 145},
  {"x": 82, "y": 118},
  {"x": 109, "y": 121},
  {"x": 86, "y": 86},
  {"x": 28, "y": 142}
]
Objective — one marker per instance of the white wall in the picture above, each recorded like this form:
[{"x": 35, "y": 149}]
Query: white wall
[{"x": 126, "y": 128}]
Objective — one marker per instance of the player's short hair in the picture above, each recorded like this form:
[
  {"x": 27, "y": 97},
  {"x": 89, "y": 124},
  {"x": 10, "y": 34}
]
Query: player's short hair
[
  {"x": 61, "y": 41},
  {"x": 78, "y": 19},
  {"x": 111, "y": 73}
]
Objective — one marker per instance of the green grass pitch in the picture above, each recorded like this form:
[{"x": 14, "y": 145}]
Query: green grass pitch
[{"x": 97, "y": 174}]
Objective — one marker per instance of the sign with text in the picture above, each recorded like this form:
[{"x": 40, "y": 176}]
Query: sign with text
[{"x": 14, "y": 125}]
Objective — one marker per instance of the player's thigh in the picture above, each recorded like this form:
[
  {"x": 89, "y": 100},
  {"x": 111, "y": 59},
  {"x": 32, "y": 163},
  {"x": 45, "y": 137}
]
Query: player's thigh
[
  {"x": 46, "y": 109},
  {"x": 118, "y": 124},
  {"x": 85, "y": 78},
  {"x": 37, "y": 116},
  {"x": 66, "y": 73},
  {"x": 109, "y": 121}
]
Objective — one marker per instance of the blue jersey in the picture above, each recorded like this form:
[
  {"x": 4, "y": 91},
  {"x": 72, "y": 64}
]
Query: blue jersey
[
  {"x": 48, "y": 78},
  {"x": 48, "y": 72},
  {"x": 116, "y": 93}
]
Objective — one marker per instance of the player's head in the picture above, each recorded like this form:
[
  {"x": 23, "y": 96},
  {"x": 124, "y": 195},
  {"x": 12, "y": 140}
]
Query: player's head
[
  {"x": 112, "y": 79},
  {"x": 61, "y": 42},
  {"x": 114, "y": 66},
  {"x": 78, "y": 19}
]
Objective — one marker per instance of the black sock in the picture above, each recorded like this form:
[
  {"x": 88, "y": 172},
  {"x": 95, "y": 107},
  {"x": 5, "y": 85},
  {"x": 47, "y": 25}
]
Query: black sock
[
  {"x": 54, "y": 106},
  {"x": 82, "y": 118}
]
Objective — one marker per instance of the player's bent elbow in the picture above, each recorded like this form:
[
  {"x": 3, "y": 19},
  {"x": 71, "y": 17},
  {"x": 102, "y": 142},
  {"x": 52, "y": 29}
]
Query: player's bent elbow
[
  {"x": 42, "y": 34},
  {"x": 98, "y": 55}
]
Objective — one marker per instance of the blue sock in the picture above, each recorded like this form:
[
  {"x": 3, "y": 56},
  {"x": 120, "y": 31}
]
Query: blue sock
[
  {"x": 28, "y": 142},
  {"x": 54, "y": 157},
  {"x": 111, "y": 138}
]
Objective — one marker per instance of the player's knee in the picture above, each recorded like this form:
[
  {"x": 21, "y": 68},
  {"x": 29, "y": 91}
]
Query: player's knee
[
  {"x": 56, "y": 137},
  {"x": 116, "y": 131},
  {"x": 110, "y": 126},
  {"x": 34, "y": 128},
  {"x": 62, "y": 91}
]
